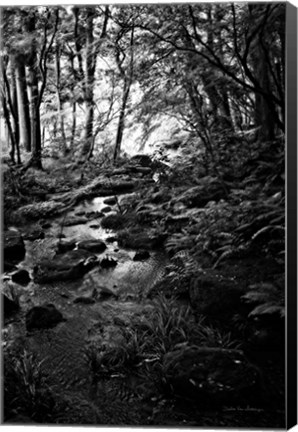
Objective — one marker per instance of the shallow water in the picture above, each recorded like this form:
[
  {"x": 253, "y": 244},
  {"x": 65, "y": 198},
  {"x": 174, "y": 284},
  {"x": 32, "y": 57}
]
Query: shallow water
[{"x": 62, "y": 348}]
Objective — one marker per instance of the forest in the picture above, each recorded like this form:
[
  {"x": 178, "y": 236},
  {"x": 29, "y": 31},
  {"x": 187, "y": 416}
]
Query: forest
[{"x": 143, "y": 222}]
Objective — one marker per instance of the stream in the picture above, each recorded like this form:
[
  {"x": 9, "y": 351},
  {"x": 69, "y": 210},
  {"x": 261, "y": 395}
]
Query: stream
[{"x": 61, "y": 349}]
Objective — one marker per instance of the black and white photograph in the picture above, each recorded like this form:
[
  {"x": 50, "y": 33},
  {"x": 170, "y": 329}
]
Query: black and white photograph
[{"x": 144, "y": 231}]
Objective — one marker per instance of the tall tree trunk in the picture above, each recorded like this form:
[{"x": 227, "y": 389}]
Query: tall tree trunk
[
  {"x": 127, "y": 78},
  {"x": 9, "y": 127},
  {"x": 121, "y": 121},
  {"x": 34, "y": 97},
  {"x": 59, "y": 103},
  {"x": 74, "y": 105},
  {"x": 89, "y": 83},
  {"x": 23, "y": 106}
]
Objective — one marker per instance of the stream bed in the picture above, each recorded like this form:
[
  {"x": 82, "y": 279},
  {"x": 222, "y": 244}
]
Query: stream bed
[{"x": 62, "y": 348}]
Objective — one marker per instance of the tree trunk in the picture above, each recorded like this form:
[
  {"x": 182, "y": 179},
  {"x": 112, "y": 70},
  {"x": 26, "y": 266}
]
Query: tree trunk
[
  {"x": 34, "y": 97},
  {"x": 59, "y": 103},
  {"x": 121, "y": 121},
  {"x": 23, "y": 106},
  {"x": 127, "y": 78},
  {"x": 89, "y": 83},
  {"x": 74, "y": 106}
]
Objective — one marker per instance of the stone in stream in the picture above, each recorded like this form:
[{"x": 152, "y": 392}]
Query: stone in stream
[
  {"x": 212, "y": 376},
  {"x": 108, "y": 262},
  {"x": 14, "y": 247},
  {"x": 21, "y": 277},
  {"x": 68, "y": 266},
  {"x": 103, "y": 293},
  {"x": 114, "y": 221},
  {"x": 65, "y": 246},
  {"x": 75, "y": 220},
  {"x": 110, "y": 201},
  {"x": 106, "y": 209},
  {"x": 141, "y": 255},
  {"x": 43, "y": 317},
  {"x": 92, "y": 245}
]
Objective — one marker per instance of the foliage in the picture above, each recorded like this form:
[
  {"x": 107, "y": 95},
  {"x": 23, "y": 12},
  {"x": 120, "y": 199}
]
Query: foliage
[
  {"x": 266, "y": 299},
  {"x": 25, "y": 388}
]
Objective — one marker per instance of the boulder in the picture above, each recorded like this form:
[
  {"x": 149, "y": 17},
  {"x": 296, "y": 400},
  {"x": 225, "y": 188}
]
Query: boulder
[
  {"x": 65, "y": 246},
  {"x": 141, "y": 255},
  {"x": 215, "y": 296},
  {"x": 21, "y": 277},
  {"x": 96, "y": 246},
  {"x": 212, "y": 376},
  {"x": 14, "y": 247},
  {"x": 114, "y": 221},
  {"x": 69, "y": 266},
  {"x": 110, "y": 201},
  {"x": 103, "y": 293},
  {"x": 75, "y": 220},
  {"x": 106, "y": 209},
  {"x": 140, "y": 240},
  {"x": 108, "y": 262},
  {"x": 84, "y": 300},
  {"x": 142, "y": 159},
  {"x": 43, "y": 317}
]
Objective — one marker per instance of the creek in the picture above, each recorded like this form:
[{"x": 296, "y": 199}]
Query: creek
[{"x": 61, "y": 349}]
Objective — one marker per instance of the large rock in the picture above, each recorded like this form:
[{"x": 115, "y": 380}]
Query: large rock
[
  {"x": 21, "y": 277},
  {"x": 142, "y": 159},
  {"x": 14, "y": 247},
  {"x": 96, "y": 246},
  {"x": 141, "y": 240},
  {"x": 71, "y": 265},
  {"x": 212, "y": 376},
  {"x": 215, "y": 296},
  {"x": 43, "y": 317}
]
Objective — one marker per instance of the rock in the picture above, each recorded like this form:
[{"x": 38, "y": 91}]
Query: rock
[
  {"x": 21, "y": 277},
  {"x": 14, "y": 247},
  {"x": 71, "y": 265},
  {"x": 84, "y": 300},
  {"x": 75, "y": 220},
  {"x": 121, "y": 186},
  {"x": 43, "y": 317},
  {"x": 212, "y": 376},
  {"x": 141, "y": 255},
  {"x": 111, "y": 239},
  {"x": 142, "y": 159},
  {"x": 140, "y": 240},
  {"x": 46, "y": 225},
  {"x": 215, "y": 296},
  {"x": 139, "y": 169},
  {"x": 108, "y": 262},
  {"x": 106, "y": 209},
  {"x": 34, "y": 234},
  {"x": 110, "y": 201},
  {"x": 94, "y": 215},
  {"x": 104, "y": 293},
  {"x": 65, "y": 246},
  {"x": 114, "y": 221},
  {"x": 94, "y": 226},
  {"x": 10, "y": 306},
  {"x": 198, "y": 196},
  {"x": 92, "y": 245}
]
